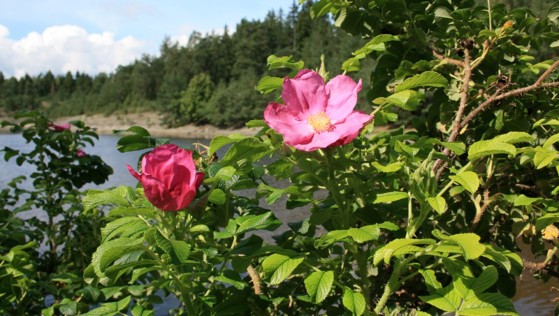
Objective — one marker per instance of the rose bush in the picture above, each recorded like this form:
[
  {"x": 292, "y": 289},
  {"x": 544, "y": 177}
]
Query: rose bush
[
  {"x": 420, "y": 219},
  {"x": 169, "y": 177}
]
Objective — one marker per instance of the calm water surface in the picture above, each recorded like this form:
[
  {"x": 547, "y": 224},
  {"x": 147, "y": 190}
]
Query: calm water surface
[{"x": 533, "y": 296}]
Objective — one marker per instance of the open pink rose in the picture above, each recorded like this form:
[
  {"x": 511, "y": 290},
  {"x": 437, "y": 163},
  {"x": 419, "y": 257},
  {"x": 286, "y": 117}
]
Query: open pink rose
[
  {"x": 317, "y": 115},
  {"x": 80, "y": 153},
  {"x": 169, "y": 177},
  {"x": 59, "y": 127}
]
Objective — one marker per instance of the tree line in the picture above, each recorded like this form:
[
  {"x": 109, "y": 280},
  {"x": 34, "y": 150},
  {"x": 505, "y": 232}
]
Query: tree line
[{"x": 210, "y": 80}]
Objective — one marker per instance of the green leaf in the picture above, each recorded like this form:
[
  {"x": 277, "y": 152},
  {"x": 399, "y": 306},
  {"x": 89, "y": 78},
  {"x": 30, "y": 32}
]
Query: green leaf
[
  {"x": 523, "y": 200},
  {"x": 68, "y": 307},
  {"x": 232, "y": 278},
  {"x": 553, "y": 13},
  {"x": 544, "y": 157},
  {"x": 407, "y": 99},
  {"x": 275, "y": 62},
  {"x": 219, "y": 141},
  {"x": 354, "y": 302},
  {"x": 457, "y": 147},
  {"x": 112, "y": 250},
  {"x": 545, "y": 220},
  {"x": 119, "y": 196},
  {"x": 269, "y": 84},
  {"x": 490, "y": 147},
  {"x": 181, "y": 250},
  {"x": 252, "y": 222},
  {"x": 320, "y": 8},
  {"x": 465, "y": 296},
  {"x": 398, "y": 247},
  {"x": 470, "y": 245},
  {"x": 443, "y": 13},
  {"x": 376, "y": 44},
  {"x": 430, "y": 280},
  {"x": 217, "y": 196},
  {"x": 352, "y": 64},
  {"x": 330, "y": 238},
  {"x": 279, "y": 267},
  {"x": 390, "y": 197},
  {"x": 245, "y": 150},
  {"x": 393, "y": 167},
  {"x": 319, "y": 284},
  {"x": 550, "y": 141},
  {"x": 111, "y": 308},
  {"x": 438, "y": 203},
  {"x": 124, "y": 227},
  {"x": 509, "y": 260},
  {"x": 425, "y": 79},
  {"x": 468, "y": 179},
  {"x": 365, "y": 233},
  {"x": 514, "y": 137},
  {"x": 135, "y": 138}
]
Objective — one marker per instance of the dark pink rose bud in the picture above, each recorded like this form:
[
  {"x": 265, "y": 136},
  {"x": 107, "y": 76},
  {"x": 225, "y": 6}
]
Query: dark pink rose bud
[
  {"x": 59, "y": 127},
  {"x": 80, "y": 153},
  {"x": 169, "y": 177}
]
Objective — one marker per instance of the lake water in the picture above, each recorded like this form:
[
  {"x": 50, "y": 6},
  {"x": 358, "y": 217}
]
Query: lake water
[{"x": 533, "y": 296}]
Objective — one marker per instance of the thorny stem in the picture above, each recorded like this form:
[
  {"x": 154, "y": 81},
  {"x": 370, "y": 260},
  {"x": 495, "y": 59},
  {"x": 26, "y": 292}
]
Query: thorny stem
[
  {"x": 497, "y": 97},
  {"x": 460, "y": 123},
  {"x": 489, "y": 13},
  {"x": 463, "y": 98},
  {"x": 486, "y": 199}
]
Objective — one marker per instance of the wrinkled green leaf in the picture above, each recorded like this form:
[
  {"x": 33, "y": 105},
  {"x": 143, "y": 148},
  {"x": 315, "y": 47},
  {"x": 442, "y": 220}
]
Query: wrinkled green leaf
[
  {"x": 354, "y": 302},
  {"x": 468, "y": 179},
  {"x": 425, "y": 79},
  {"x": 279, "y": 267},
  {"x": 319, "y": 284}
]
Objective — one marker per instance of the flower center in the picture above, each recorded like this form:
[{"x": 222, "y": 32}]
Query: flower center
[{"x": 319, "y": 122}]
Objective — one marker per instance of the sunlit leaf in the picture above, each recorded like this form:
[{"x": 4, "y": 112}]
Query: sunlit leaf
[
  {"x": 354, "y": 302},
  {"x": 319, "y": 284},
  {"x": 424, "y": 79},
  {"x": 279, "y": 267}
]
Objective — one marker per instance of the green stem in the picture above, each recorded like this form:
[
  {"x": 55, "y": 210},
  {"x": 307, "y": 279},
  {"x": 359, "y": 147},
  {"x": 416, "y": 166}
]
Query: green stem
[
  {"x": 184, "y": 291},
  {"x": 346, "y": 213},
  {"x": 416, "y": 223},
  {"x": 390, "y": 287},
  {"x": 410, "y": 215},
  {"x": 362, "y": 269}
]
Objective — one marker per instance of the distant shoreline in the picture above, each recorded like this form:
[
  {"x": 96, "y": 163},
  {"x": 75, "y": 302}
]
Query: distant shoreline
[{"x": 104, "y": 125}]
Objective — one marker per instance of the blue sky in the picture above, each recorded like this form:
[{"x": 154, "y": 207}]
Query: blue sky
[{"x": 98, "y": 35}]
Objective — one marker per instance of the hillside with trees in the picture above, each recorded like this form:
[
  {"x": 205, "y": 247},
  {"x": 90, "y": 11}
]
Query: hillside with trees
[{"x": 211, "y": 80}]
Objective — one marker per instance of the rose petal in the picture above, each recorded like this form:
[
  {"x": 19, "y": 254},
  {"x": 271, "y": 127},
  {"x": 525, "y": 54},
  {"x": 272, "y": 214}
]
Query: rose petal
[
  {"x": 342, "y": 97},
  {"x": 305, "y": 93},
  {"x": 286, "y": 121},
  {"x": 319, "y": 140},
  {"x": 349, "y": 129},
  {"x": 158, "y": 194}
]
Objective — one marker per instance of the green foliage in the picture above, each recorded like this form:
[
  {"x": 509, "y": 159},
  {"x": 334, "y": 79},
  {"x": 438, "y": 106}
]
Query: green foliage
[
  {"x": 69, "y": 235},
  {"x": 418, "y": 219}
]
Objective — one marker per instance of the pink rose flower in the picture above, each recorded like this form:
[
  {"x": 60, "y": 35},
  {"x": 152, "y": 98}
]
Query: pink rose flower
[
  {"x": 80, "y": 153},
  {"x": 317, "y": 115},
  {"x": 169, "y": 177},
  {"x": 59, "y": 127}
]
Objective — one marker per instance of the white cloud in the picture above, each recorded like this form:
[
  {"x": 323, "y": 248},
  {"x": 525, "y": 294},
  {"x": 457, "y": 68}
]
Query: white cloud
[{"x": 65, "y": 48}]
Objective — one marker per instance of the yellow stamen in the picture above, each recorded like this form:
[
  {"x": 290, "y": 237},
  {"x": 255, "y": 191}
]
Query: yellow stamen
[{"x": 319, "y": 122}]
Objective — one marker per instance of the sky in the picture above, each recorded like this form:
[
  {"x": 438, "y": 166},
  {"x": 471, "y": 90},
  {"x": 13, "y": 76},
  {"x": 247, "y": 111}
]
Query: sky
[{"x": 95, "y": 36}]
